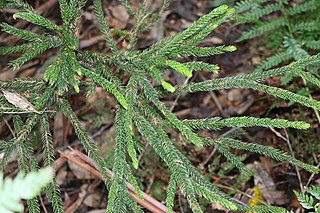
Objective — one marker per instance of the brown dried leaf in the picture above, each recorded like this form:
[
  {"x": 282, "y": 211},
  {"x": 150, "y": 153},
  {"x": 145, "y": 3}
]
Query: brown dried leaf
[
  {"x": 263, "y": 180},
  {"x": 19, "y": 101}
]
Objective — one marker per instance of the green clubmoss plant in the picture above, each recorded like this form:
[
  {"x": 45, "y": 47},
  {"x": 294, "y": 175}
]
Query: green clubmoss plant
[{"x": 140, "y": 109}]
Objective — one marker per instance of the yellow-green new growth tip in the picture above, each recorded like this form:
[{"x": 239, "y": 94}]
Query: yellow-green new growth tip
[
  {"x": 231, "y": 11},
  {"x": 305, "y": 126},
  {"x": 168, "y": 86},
  {"x": 179, "y": 68},
  {"x": 230, "y": 48},
  {"x": 76, "y": 88},
  {"x": 222, "y": 7}
]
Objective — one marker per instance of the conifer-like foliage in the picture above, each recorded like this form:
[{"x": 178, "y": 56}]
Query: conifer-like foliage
[
  {"x": 291, "y": 29},
  {"x": 140, "y": 109}
]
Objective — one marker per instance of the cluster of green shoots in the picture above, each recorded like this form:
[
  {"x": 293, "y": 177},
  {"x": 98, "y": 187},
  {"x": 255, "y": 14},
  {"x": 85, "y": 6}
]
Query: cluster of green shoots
[{"x": 140, "y": 110}]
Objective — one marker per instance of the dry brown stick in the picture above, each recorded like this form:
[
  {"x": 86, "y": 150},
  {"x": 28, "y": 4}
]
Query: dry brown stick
[
  {"x": 146, "y": 197},
  {"x": 86, "y": 163}
]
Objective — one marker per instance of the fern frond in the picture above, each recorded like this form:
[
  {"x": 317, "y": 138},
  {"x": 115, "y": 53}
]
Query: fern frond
[
  {"x": 257, "y": 13},
  {"x": 306, "y": 201},
  {"x": 303, "y": 7},
  {"x": 314, "y": 191},
  {"x": 22, "y": 187},
  {"x": 274, "y": 60},
  {"x": 266, "y": 27},
  {"x": 294, "y": 48},
  {"x": 307, "y": 76},
  {"x": 313, "y": 44},
  {"x": 306, "y": 26},
  {"x": 245, "y": 5},
  {"x": 296, "y": 65}
]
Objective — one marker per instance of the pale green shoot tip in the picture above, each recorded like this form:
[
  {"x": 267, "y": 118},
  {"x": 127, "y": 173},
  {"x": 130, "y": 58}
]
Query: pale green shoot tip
[
  {"x": 232, "y": 10},
  {"x": 223, "y": 7},
  {"x": 135, "y": 164},
  {"x": 168, "y": 86},
  {"x": 123, "y": 103},
  {"x": 305, "y": 126},
  {"x": 179, "y": 68},
  {"x": 230, "y": 48},
  {"x": 76, "y": 88}
]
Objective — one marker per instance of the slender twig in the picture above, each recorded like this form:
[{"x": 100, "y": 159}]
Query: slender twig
[
  {"x": 42, "y": 204},
  {"x": 86, "y": 163},
  {"x": 286, "y": 139},
  {"x": 311, "y": 177}
]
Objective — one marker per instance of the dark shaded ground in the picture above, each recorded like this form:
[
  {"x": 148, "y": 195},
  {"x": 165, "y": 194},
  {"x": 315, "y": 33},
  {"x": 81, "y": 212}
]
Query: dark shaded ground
[{"x": 82, "y": 192}]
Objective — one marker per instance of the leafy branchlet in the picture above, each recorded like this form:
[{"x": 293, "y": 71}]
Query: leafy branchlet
[{"x": 140, "y": 109}]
